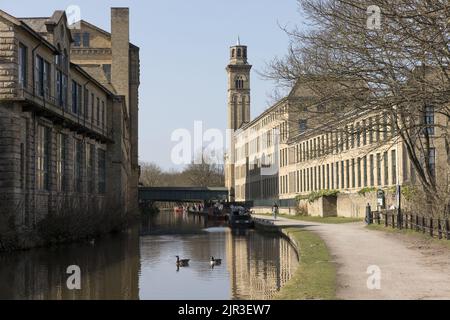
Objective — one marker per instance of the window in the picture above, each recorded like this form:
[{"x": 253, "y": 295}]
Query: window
[
  {"x": 364, "y": 128},
  {"x": 39, "y": 76},
  {"x": 78, "y": 167},
  {"x": 233, "y": 53},
  {"x": 342, "y": 175},
  {"x": 103, "y": 114},
  {"x": 86, "y": 38},
  {"x": 328, "y": 176},
  {"x": 92, "y": 106},
  {"x": 370, "y": 130},
  {"x": 378, "y": 169},
  {"x": 43, "y": 157},
  {"x": 60, "y": 162},
  {"x": 90, "y": 167},
  {"x": 377, "y": 129},
  {"x": 64, "y": 90},
  {"x": 386, "y": 168},
  {"x": 432, "y": 162},
  {"x": 76, "y": 39},
  {"x": 337, "y": 175},
  {"x": 86, "y": 103},
  {"x": 353, "y": 174},
  {"x": 347, "y": 173},
  {"x": 239, "y": 53},
  {"x": 372, "y": 171},
  {"x": 107, "y": 71},
  {"x": 358, "y": 135},
  {"x": 319, "y": 178},
  {"x": 429, "y": 120},
  {"x": 98, "y": 111},
  {"x": 59, "y": 88},
  {"x": 47, "y": 81},
  {"x": 365, "y": 170},
  {"x": 75, "y": 94},
  {"x": 332, "y": 176},
  {"x": 101, "y": 171},
  {"x": 394, "y": 166},
  {"x": 239, "y": 82},
  {"x": 302, "y": 125},
  {"x": 359, "y": 171},
  {"x": 23, "y": 65}
]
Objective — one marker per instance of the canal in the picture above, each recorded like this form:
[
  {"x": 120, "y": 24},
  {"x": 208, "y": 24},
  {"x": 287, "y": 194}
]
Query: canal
[{"x": 141, "y": 264}]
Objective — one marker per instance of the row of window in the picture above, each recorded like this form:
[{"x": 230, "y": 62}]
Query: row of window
[
  {"x": 43, "y": 83},
  {"x": 351, "y": 173},
  {"x": 83, "y": 157}
]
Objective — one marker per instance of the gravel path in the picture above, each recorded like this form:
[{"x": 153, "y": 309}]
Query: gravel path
[{"x": 411, "y": 268}]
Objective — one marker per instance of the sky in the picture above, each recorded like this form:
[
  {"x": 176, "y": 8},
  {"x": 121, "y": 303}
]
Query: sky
[{"x": 184, "y": 49}]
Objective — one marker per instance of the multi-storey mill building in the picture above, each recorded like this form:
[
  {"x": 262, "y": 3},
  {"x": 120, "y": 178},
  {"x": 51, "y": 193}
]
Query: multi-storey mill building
[
  {"x": 306, "y": 157},
  {"x": 68, "y": 117}
]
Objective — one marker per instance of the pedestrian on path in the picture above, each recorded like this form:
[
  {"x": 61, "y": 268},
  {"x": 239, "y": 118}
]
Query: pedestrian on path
[{"x": 275, "y": 211}]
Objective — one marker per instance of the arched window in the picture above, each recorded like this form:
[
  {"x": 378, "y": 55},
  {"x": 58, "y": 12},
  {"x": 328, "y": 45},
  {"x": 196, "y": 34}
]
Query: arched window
[
  {"x": 245, "y": 53},
  {"x": 239, "y": 82},
  {"x": 239, "y": 53},
  {"x": 232, "y": 52}
]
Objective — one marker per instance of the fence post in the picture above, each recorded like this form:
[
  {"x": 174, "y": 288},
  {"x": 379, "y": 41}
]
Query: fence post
[
  {"x": 431, "y": 227},
  {"x": 417, "y": 223},
  {"x": 406, "y": 221},
  {"x": 378, "y": 216},
  {"x": 369, "y": 217},
  {"x": 439, "y": 229},
  {"x": 423, "y": 224},
  {"x": 447, "y": 229},
  {"x": 393, "y": 220}
]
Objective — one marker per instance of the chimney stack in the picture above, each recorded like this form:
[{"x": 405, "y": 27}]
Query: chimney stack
[{"x": 120, "y": 38}]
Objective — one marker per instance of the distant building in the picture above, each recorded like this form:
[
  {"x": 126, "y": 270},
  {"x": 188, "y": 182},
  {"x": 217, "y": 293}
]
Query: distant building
[
  {"x": 307, "y": 157},
  {"x": 68, "y": 118}
]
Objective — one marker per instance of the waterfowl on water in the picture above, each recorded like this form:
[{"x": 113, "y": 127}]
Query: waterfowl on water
[
  {"x": 182, "y": 262},
  {"x": 215, "y": 262}
]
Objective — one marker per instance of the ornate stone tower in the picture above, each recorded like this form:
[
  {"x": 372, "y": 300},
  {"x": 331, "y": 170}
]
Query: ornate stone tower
[
  {"x": 238, "y": 71},
  {"x": 238, "y": 87}
]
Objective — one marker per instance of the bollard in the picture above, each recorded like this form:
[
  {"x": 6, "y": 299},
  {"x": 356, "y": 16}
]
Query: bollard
[{"x": 369, "y": 218}]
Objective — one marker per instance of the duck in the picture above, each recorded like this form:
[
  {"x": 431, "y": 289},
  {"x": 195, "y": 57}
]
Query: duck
[
  {"x": 182, "y": 262},
  {"x": 215, "y": 262}
]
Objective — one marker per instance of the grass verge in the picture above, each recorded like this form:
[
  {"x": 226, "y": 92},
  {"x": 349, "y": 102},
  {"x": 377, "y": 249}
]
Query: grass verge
[
  {"x": 410, "y": 233},
  {"x": 315, "y": 277},
  {"x": 331, "y": 220}
]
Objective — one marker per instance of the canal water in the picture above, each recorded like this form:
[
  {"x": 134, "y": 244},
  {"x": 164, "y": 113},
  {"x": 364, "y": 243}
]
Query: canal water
[{"x": 141, "y": 264}]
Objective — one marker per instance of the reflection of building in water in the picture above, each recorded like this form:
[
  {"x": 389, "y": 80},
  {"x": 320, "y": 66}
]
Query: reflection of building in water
[
  {"x": 109, "y": 270},
  {"x": 258, "y": 269}
]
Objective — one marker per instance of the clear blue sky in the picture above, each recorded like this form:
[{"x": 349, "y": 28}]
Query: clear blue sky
[{"x": 184, "y": 51}]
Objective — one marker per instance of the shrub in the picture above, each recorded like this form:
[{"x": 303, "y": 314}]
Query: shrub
[
  {"x": 72, "y": 224},
  {"x": 315, "y": 195},
  {"x": 366, "y": 190}
]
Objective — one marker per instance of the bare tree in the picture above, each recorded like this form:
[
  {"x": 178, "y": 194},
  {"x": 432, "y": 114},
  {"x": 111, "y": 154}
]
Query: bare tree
[
  {"x": 341, "y": 68},
  {"x": 151, "y": 174},
  {"x": 205, "y": 173}
]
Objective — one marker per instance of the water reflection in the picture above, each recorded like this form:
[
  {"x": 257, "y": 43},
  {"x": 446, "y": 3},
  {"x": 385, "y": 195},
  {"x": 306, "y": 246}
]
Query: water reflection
[
  {"x": 140, "y": 264},
  {"x": 109, "y": 270}
]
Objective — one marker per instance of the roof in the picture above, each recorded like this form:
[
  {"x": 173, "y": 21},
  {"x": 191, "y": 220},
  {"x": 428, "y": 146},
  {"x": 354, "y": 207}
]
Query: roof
[
  {"x": 96, "y": 71},
  {"x": 39, "y": 24},
  {"x": 261, "y": 115},
  {"x": 102, "y": 31}
]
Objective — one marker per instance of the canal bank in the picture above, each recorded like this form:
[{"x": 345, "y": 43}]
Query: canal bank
[{"x": 315, "y": 277}]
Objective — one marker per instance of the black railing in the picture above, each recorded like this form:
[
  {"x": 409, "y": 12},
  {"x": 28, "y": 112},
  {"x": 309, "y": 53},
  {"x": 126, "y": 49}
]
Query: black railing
[{"x": 435, "y": 227}]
